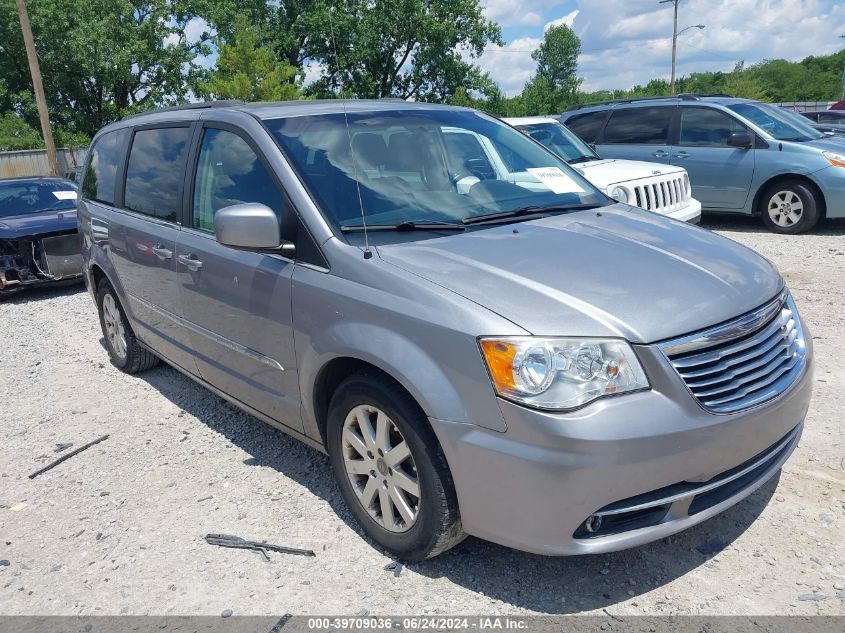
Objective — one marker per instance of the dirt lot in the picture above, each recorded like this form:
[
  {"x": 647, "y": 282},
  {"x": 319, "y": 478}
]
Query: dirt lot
[{"x": 118, "y": 528}]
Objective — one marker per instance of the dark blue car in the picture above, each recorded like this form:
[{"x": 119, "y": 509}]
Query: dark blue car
[{"x": 38, "y": 236}]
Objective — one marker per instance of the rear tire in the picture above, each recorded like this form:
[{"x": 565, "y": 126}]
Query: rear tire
[
  {"x": 125, "y": 352},
  {"x": 380, "y": 489},
  {"x": 790, "y": 207}
]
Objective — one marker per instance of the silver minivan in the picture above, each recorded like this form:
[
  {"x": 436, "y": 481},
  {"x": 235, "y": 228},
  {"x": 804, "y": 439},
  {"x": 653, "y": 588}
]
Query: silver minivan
[{"x": 522, "y": 359}]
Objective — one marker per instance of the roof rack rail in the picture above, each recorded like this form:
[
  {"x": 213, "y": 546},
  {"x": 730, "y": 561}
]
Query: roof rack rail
[
  {"x": 199, "y": 105},
  {"x": 686, "y": 96}
]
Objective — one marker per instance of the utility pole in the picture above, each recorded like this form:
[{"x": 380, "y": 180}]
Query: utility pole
[
  {"x": 38, "y": 87},
  {"x": 842, "y": 92},
  {"x": 674, "y": 39}
]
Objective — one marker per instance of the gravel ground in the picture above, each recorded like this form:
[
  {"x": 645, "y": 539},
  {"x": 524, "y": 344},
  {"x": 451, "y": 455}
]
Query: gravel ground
[{"x": 118, "y": 528}]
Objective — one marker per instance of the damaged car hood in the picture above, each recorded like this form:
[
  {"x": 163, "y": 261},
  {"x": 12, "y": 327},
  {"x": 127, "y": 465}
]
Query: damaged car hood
[
  {"x": 615, "y": 271},
  {"x": 18, "y": 226}
]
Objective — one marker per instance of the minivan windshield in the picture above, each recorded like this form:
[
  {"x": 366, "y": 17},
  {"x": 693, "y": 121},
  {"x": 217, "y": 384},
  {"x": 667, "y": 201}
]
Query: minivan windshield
[
  {"x": 23, "y": 197},
  {"x": 781, "y": 124},
  {"x": 425, "y": 167},
  {"x": 560, "y": 140}
]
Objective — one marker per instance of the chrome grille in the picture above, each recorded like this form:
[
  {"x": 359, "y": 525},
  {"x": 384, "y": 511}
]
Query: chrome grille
[
  {"x": 745, "y": 362},
  {"x": 662, "y": 194}
]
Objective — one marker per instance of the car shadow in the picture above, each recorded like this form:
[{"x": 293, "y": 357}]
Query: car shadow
[
  {"x": 49, "y": 290},
  {"x": 751, "y": 224},
  {"x": 538, "y": 583}
]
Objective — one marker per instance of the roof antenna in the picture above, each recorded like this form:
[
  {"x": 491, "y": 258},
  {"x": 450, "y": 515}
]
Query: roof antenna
[{"x": 368, "y": 254}]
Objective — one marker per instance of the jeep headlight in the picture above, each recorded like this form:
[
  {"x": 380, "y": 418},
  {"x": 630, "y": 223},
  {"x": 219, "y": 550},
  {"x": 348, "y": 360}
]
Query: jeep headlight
[
  {"x": 620, "y": 194},
  {"x": 561, "y": 373}
]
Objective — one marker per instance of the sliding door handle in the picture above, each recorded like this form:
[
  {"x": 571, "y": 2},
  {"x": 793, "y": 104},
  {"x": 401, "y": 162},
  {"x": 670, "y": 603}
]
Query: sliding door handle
[
  {"x": 190, "y": 261},
  {"x": 161, "y": 252}
]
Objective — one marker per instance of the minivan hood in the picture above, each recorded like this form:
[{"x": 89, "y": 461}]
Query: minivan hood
[
  {"x": 615, "y": 271},
  {"x": 830, "y": 144},
  {"x": 611, "y": 171}
]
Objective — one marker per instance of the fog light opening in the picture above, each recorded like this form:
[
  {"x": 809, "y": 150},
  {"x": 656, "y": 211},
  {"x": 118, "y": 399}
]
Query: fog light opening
[{"x": 593, "y": 523}]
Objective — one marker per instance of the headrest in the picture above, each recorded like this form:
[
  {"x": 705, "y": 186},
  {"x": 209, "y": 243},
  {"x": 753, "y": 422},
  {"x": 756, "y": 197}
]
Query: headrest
[{"x": 370, "y": 150}]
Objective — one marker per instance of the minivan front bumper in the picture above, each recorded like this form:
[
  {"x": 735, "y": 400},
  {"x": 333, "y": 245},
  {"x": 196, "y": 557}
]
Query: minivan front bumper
[{"x": 655, "y": 461}]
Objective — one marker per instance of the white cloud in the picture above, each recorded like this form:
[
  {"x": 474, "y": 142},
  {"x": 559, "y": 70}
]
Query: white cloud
[
  {"x": 312, "y": 70},
  {"x": 194, "y": 30},
  {"x": 625, "y": 43},
  {"x": 567, "y": 19},
  {"x": 511, "y": 65},
  {"x": 516, "y": 12}
]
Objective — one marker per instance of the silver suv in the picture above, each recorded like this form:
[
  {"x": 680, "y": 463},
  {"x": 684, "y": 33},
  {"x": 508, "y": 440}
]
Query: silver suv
[{"x": 523, "y": 360}]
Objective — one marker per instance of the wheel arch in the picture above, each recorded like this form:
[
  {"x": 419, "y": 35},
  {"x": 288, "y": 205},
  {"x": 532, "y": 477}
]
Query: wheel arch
[
  {"x": 332, "y": 374},
  {"x": 348, "y": 347},
  {"x": 811, "y": 184}
]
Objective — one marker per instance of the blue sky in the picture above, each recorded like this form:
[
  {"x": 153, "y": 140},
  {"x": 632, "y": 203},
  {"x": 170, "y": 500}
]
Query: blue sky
[{"x": 628, "y": 42}]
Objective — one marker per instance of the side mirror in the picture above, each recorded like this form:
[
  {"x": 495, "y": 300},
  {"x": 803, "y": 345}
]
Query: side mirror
[
  {"x": 250, "y": 226},
  {"x": 739, "y": 139}
]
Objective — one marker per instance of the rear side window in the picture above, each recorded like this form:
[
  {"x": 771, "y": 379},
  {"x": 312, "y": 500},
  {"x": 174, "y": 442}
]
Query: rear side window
[
  {"x": 229, "y": 172},
  {"x": 587, "y": 126},
  {"x": 638, "y": 126},
  {"x": 705, "y": 127},
  {"x": 100, "y": 176},
  {"x": 155, "y": 171}
]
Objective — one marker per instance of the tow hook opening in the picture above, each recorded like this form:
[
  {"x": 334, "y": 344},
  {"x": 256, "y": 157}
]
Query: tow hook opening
[{"x": 593, "y": 523}]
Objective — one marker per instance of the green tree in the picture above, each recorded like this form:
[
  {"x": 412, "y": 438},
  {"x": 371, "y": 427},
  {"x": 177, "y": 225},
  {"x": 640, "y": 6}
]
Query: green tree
[
  {"x": 417, "y": 49},
  {"x": 248, "y": 70},
  {"x": 100, "y": 59},
  {"x": 16, "y": 134},
  {"x": 540, "y": 97},
  {"x": 288, "y": 27},
  {"x": 557, "y": 63}
]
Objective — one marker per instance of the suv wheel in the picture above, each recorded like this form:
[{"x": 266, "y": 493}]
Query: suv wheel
[
  {"x": 789, "y": 207},
  {"x": 124, "y": 350},
  {"x": 391, "y": 469}
]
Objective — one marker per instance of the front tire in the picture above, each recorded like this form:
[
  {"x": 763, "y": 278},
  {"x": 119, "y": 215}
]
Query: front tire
[
  {"x": 790, "y": 207},
  {"x": 391, "y": 469},
  {"x": 125, "y": 352}
]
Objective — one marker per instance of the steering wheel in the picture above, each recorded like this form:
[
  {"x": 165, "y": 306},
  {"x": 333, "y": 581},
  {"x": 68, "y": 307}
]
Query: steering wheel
[{"x": 458, "y": 175}]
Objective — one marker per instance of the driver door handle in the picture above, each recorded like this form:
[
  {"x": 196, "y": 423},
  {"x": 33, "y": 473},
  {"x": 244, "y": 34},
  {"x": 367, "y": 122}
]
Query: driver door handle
[
  {"x": 190, "y": 261},
  {"x": 161, "y": 252},
  {"x": 681, "y": 155},
  {"x": 661, "y": 154}
]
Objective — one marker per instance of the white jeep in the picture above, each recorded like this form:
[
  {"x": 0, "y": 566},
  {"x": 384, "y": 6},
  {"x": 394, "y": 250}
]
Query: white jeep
[{"x": 664, "y": 189}]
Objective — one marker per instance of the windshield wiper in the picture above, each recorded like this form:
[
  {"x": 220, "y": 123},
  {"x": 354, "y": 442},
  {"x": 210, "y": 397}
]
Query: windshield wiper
[
  {"x": 407, "y": 225},
  {"x": 523, "y": 211},
  {"x": 582, "y": 159}
]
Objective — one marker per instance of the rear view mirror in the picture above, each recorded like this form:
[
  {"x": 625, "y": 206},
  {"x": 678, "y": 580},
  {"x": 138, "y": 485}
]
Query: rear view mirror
[
  {"x": 250, "y": 226},
  {"x": 739, "y": 139}
]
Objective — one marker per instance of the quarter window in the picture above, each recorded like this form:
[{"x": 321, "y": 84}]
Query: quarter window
[
  {"x": 155, "y": 171},
  {"x": 705, "y": 127},
  {"x": 100, "y": 175},
  {"x": 228, "y": 173},
  {"x": 588, "y": 125},
  {"x": 638, "y": 126}
]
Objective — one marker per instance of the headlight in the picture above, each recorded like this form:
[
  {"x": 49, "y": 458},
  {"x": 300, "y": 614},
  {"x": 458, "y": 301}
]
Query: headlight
[
  {"x": 561, "y": 373},
  {"x": 835, "y": 158},
  {"x": 618, "y": 193}
]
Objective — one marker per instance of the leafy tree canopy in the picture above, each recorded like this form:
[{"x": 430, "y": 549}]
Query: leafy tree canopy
[
  {"x": 100, "y": 59},
  {"x": 17, "y": 134},
  {"x": 411, "y": 49},
  {"x": 248, "y": 70}
]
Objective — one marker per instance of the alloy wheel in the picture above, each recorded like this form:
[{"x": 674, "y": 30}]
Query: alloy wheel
[
  {"x": 114, "y": 326},
  {"x": 381, "y": 469},
  {"x": 786, "y": 208}
]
